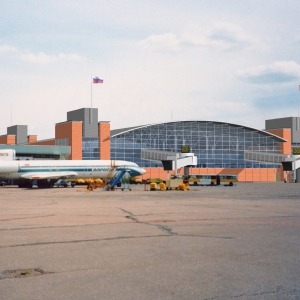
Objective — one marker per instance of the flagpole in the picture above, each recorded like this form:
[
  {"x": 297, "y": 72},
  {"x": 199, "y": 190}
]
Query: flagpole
[
  {"x": 91, "y": 100},
  {"x": 91, "y": 91},
  {"x": 298, "y": 108}
]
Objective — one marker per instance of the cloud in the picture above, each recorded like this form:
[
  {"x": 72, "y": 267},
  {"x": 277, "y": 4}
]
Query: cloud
[
  {"x": 228, "y": 36},
  {"x": 223, "y": 36},
  {"x": 167, "y": 41},
  {"x": 43, "y": 58},
  {"x": 277, "y": 72},
  {"x": 7, "y": 48}
]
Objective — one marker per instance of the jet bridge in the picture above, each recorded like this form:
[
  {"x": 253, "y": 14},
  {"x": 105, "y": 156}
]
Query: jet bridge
[
  {"x": 288, "y": 162},
  {"x": 170, "y": 160},
  {"x": 264, "y": 157},
  {"x": 292, "y": 163}
]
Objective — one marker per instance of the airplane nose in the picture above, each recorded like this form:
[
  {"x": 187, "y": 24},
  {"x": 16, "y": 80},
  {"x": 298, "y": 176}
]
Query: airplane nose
[{"x": 143, "y": 171}]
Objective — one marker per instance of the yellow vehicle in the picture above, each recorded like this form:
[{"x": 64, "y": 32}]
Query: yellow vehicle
[
  {"x": 173, "y": 183},
  {"x": 185, "y": 178},
  {"x": 135, "y": 180},
  {"x": 211, "y": 179},
  {"x": 155, "y": 180},
  {"x": 85, "y": 181},
  {"x": 153, "y": 186}
]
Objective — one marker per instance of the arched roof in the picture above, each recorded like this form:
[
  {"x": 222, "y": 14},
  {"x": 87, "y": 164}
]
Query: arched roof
[{"x": 116, "y": 132}]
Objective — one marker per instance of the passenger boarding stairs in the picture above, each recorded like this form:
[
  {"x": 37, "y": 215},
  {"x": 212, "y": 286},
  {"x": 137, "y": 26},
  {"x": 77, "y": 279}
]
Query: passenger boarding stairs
[{"x": 112, "y": 180}]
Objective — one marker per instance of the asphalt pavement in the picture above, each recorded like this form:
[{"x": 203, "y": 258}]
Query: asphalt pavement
[{"x": 209, "y": 243}]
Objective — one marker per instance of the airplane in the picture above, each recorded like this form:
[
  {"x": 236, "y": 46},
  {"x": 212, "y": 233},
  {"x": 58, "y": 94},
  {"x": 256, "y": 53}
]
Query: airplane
[{"x": 47, "y": 172}]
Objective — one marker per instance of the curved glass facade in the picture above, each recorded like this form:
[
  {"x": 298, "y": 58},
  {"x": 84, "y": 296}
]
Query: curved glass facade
[{"x": 217, "y": 145}]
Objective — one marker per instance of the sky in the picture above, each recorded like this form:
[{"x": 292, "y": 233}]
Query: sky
[{"x": 235, "y": 61}]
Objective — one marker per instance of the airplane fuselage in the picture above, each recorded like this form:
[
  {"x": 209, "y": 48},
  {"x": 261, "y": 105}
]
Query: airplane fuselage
[{"x": 40, "y": 169}]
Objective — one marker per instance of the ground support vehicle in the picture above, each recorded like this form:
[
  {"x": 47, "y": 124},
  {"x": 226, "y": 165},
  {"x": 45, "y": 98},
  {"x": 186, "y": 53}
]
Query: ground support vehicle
[
  {"x": 3, "y": 183},
  {"x": 64, "y": 183},
  {"x": 210, "y": 179},
  {"x": 135, "y": 180},
  {"x": 153, "y": 186},
  {"x": 173, "y": 183}
]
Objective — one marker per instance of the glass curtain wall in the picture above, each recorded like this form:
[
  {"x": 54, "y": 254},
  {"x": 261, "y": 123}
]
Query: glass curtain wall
[
  {"x": 90, "y": 149},
  {"x": 217, "y": 145}
]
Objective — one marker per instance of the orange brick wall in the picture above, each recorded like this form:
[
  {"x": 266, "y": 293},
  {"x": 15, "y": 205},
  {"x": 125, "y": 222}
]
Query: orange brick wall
[
  {"x": 104, "y": 140},
  {"x": 244, "y": 175},
  {"x": 32, "y": 138},
  {"x": 286, "y": 133},
  {"x": 285, "y": 148},
  {"x": 73, "y": 131},
  {"x": 8, "y": 139}
]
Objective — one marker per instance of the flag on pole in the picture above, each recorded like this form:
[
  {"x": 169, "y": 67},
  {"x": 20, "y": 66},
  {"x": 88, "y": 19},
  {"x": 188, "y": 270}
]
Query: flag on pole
[{"x": 97, "y": 80}]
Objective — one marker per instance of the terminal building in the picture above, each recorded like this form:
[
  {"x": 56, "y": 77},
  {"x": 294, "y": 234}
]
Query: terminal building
[{"x": 220, "y": 147}]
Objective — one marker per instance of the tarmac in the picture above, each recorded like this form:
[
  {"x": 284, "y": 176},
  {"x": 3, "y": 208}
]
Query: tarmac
[{"x": 208, "y": 243}]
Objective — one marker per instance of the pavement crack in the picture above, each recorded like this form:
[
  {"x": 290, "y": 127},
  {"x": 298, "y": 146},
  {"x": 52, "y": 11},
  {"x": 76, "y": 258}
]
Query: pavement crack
[
  {"x": 24, "y": 218},
  {"x": 81, "y": 241},
  {"x": 160, "y": 227},
  {"x": 278, "y": 292},
  {"x": 164, "y": 228}
]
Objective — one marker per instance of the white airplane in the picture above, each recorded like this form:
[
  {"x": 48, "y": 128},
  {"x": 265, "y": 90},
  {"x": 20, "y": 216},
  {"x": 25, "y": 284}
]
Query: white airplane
[{"x": 47, "y": 172}]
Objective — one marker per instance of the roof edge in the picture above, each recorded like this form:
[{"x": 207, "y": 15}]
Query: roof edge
[{"x": 116, "y": 132}]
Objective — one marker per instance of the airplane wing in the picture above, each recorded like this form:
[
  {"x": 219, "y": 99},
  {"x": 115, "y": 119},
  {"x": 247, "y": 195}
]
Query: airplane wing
[{"x": 49, "y": 175}]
